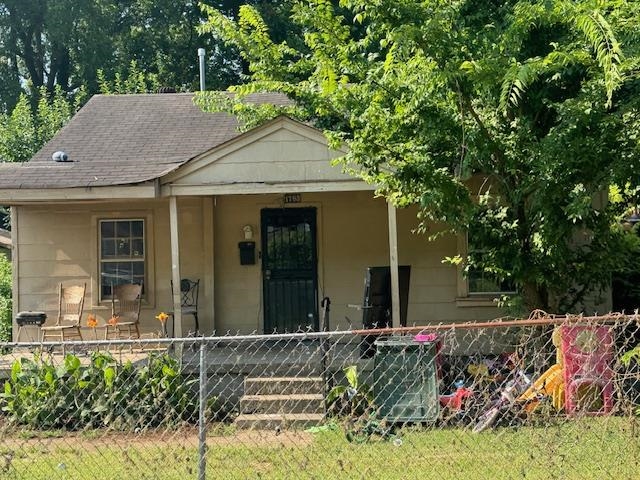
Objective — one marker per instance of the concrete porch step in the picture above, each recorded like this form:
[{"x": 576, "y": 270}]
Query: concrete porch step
[
  {"x": 283, "y": 385},
  {"x": 285, "y": 421},
  {"x": 297, "y": 403}
]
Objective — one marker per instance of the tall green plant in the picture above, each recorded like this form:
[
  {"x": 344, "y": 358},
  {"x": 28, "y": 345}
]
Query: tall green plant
[
  {"x": 102, "y": 393},
  {"x": 354, "y": 399}
]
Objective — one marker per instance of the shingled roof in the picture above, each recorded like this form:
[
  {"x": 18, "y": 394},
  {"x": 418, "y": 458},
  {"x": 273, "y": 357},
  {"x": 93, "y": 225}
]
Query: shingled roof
[{"x": 126, "y": 139}]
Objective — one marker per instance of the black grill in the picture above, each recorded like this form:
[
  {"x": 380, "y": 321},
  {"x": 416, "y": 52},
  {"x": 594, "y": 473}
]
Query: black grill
[{"x": 31, "y": 318}]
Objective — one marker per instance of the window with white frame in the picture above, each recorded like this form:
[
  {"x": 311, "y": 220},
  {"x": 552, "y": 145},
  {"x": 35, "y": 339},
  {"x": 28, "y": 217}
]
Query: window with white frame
[
  {"x": 480, "y": 282},
  {"x": 122, "y": 253},
  {"x": 475, "y": 283}
]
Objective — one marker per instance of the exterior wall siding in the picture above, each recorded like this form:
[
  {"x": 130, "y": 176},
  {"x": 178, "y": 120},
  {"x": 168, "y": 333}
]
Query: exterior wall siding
[
  {"x": 60, "y": 244},
  {"x": 352, "y": 235}
]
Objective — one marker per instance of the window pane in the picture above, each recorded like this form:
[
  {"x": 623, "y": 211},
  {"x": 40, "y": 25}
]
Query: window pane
[
  {"x": 138, "y": 268},
  {"x": 122, "y": 273},
  {"x": 117, "y": 273},
  {"x": 123, "y": 247},
  {"x": 107, "y": 229},
  {"x": 137, "y": 247},
  {"x": 123, "y": 229},
  {"x": 125, "y": 272},
  {"x": 108, "y": 276},
  {"x": 108, "y": 248},
  {"x": 137, "y": 228}
]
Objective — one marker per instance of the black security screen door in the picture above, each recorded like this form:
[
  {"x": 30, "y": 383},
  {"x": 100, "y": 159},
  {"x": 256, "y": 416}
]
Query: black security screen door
[{"x": 289, "y": 269}]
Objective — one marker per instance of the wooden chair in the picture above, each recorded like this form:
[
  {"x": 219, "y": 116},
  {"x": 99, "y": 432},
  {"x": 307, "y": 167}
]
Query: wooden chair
[
  {"x": 70, "y": 306},
  {"x": 125, "y": 305}
]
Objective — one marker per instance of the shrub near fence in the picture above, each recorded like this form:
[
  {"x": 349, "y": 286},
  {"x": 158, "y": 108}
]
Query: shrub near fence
[
  {"x": 100, "y": 393},
  {"x": 317, "y": 406}
]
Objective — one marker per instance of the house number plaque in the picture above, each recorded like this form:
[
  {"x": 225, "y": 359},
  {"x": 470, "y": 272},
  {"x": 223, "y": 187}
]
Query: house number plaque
[{"x": 292, "y": 198}]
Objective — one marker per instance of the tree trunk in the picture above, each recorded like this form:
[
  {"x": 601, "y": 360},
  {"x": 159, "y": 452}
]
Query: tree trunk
[{"x": 535, "y": 297}]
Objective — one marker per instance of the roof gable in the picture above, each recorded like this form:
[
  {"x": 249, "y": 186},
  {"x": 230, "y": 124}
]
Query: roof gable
[{"x": 280, "y": 151}]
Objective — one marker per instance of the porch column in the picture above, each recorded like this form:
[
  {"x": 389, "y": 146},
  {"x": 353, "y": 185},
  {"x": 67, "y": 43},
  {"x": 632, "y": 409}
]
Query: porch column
[
  {"x": 15, "y": 265},
  {"x": 393, "y": 265},
  {"x": 208, "y": 220},
  {"x": 175, "y": 265}
]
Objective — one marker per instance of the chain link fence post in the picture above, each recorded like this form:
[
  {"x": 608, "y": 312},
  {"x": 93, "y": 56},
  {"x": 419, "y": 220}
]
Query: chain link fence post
[{"x": 202, "y": 425}]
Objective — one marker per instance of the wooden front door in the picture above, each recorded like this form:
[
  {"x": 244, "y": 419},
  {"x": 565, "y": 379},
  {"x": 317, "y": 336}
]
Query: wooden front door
[{"x": 289, "y": 269}]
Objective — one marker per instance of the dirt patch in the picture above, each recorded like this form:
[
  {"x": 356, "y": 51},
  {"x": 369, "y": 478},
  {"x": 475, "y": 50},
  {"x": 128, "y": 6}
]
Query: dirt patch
[
  {"x": 263, "y": 437},
  {"x": 188, "y": 437}
]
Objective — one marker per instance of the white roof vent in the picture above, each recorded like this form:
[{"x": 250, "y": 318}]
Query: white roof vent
[{"x": 60, "y": 156}]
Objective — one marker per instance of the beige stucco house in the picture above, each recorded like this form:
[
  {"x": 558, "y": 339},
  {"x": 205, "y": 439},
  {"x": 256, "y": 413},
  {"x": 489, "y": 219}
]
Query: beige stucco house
[{"x": 155, "y": 190}]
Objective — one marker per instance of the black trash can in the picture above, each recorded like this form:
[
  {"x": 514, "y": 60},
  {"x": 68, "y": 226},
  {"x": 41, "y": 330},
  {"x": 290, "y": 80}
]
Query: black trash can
[{"x": 405, "y": 380}]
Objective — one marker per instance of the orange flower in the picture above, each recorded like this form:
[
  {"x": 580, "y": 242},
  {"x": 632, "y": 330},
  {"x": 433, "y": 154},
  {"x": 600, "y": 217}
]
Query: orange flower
[
  {"x": 162, "y": 317},
  {"x": 113, "y": 320},
  {"x": 92, "y": 322}
]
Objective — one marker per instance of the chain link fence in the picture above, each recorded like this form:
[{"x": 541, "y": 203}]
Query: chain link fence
[{"x": 536, "y": 399}]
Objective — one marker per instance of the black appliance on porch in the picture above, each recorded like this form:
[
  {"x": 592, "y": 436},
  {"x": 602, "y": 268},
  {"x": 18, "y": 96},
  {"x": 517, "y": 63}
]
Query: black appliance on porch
[
  {"x": 30, "y": 319},
  {"x": 377, "y": 305}
]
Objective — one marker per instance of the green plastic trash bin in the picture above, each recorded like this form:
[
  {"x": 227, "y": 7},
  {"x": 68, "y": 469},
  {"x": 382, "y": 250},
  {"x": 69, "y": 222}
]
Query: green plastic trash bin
[{"x": 405, "y": 380}]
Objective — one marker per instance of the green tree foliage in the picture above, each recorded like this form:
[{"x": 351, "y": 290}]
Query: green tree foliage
[
  {"x": 44, "y": 43},
  {"x": 5, "y": 299},
  {"x": 133, "y": 80},
  {"x": 56, "y": 42},
  {"x": 26, "y": 129},
  {"x": 508, "y": 119}
]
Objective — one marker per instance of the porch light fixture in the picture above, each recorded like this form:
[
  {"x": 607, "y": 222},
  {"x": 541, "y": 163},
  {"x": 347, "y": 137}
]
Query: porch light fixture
[{"x": 248, "y": 232}]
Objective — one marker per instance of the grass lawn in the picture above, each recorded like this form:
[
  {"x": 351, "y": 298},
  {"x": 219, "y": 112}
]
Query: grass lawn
[{"x": 590, "y": 448}]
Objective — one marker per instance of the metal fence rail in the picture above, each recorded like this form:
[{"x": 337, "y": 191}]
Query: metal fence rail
[{"x": 541, "y": 398}]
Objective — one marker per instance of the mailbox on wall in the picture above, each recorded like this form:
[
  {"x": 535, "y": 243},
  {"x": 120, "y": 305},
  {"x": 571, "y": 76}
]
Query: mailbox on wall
[{"x": 247, "y": 253}]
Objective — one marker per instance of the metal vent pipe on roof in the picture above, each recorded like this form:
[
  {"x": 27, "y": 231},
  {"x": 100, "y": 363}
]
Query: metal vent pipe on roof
[
  {"x": 201, "y": 61},
  {"x": 60, "y": 156}
]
